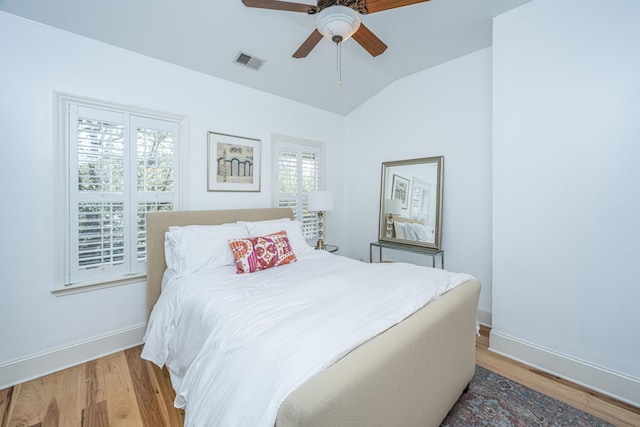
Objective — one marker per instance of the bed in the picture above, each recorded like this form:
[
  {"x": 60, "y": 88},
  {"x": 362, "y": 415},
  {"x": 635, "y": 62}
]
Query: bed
[
  {"x": 409, "y": 374},
  {"x": 411, "y": 229}
]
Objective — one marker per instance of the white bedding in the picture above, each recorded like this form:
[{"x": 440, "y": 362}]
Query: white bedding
[{"x": 237, "y": 344}]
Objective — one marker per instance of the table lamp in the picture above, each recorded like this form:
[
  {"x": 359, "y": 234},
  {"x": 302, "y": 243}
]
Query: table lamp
[
  {"x": 391, "y": 207},
  {"x": 320, "y": 201}
]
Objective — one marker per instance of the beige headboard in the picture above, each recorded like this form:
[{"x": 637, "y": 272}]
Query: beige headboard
[
  {"x": 159, "y": 222},
  {"x": 409, "y": 220},
  {"x": 402, "y": 219}
]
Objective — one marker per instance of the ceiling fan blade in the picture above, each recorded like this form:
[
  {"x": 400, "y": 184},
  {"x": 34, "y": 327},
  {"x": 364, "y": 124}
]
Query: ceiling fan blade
[
  {"x": 308, "y": 45},
  {"x": 369, "y": 41},
  {"x": 374, "y": 6},
  {"x": 281, "y": 5}
]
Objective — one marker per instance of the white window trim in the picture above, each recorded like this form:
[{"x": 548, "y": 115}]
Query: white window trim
[{"x": 60, "y": 136}]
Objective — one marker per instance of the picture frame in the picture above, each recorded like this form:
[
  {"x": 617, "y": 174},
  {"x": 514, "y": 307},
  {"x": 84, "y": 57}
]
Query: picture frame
[
  {"x": 233, "y": 163},
  {"x": 400, "y": 190}
]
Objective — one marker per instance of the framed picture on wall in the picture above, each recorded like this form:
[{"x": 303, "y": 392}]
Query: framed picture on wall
[
  {"x": 233, "y": 163},
  {"x": 400, "y": 190}
]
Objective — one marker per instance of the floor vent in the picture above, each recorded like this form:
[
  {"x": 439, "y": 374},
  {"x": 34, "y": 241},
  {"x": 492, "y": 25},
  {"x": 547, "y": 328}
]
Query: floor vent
[{"x": 249, "y": 61}]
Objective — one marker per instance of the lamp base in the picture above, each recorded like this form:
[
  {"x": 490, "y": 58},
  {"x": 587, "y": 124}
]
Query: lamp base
[
  {"x": 390, "y": 226},
  {"x": 320, "y": 245}
]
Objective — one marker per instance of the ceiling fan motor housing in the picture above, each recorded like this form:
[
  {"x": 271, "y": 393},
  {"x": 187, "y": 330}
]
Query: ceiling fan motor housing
[{"x": 337, "y": 23}]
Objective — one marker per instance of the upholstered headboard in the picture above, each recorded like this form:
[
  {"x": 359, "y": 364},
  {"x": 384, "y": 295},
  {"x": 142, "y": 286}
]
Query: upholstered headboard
[
  {"x": 409, "y": 220},
  {"x": 159, "y": 222}
]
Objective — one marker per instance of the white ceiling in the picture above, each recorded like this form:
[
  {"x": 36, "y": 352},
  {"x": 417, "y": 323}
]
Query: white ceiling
[{"x": 206, "y": 36}]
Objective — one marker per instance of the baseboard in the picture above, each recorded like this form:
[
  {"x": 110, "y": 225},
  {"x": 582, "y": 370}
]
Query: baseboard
[
  {"x": 35, "y": 366},
  {"x": 610, "y": 383},
  {"x": 484, "y": 317}
]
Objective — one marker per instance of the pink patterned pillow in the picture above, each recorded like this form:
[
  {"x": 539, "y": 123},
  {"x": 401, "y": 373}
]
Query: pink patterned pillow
[{"x": 259, "y": 253}]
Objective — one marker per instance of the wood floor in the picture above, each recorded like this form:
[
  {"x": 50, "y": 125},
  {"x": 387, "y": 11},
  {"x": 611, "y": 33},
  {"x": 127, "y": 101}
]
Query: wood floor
[
  {"x": 116, "y": 390},
  {"x": 124, "y": 390}
]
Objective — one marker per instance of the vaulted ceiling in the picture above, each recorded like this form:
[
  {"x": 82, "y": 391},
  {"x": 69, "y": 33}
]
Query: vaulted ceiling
[{"x": 206, "y": 36}]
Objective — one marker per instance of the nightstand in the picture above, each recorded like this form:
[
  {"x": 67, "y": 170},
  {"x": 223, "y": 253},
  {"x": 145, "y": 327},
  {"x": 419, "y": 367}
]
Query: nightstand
[{"x": 331, "y": 248}]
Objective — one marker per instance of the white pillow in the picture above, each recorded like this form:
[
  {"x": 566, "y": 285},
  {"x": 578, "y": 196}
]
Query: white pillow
[
  {"x": 193, "y": 247},
  {"x": 172, "y": 257},
  {"x": 410, "y": 233},
  {"x": 421, "y": 232},
  {"x": 399, "y": 228},
  {"x": 293, "y": 229}
]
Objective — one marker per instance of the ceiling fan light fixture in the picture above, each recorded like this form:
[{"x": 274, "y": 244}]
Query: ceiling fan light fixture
[{"x": 337, "y": 23}]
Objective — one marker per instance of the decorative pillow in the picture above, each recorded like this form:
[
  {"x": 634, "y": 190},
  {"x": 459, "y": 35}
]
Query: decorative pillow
[
  {"x": 262, "y": 252},
  {"x": 193, "y": 247},
  {"x": 293, "y": 229},
  {"x": 399, "y": 229}
]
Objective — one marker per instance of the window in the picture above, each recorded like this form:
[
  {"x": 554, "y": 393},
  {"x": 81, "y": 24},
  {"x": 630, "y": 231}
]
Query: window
[
  {"x": 118, "y": 165},
  {"x": 420, "y": 197},
  {"x": 298, "y": 167}
]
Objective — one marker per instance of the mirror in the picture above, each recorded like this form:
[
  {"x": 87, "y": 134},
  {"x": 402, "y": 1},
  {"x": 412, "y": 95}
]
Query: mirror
[{"x": 411, "y": 202}]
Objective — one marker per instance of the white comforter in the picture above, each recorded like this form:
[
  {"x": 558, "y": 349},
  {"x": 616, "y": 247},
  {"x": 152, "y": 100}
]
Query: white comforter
[{"x": 237, "y": 344}]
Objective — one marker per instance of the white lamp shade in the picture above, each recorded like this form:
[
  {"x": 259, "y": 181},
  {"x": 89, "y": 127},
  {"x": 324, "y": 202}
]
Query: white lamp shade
[
  {"x": 392, "y": 206},
  {"x": 321, "y": 201},
  {"x": 337, "y": 20}
]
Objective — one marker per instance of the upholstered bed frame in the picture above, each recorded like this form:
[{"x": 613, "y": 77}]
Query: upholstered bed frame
[{"x": 410, "y": 375}]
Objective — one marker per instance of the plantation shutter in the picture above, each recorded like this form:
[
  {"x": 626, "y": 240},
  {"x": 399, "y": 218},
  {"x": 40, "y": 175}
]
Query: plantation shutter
[
  {"x": 97, "y": 197},
  {"x": 155, "y": 166},
  {"x": 120, "y": 166},
  {"x": 420, "y": 197},
  {"x": 298, "y": 168}
]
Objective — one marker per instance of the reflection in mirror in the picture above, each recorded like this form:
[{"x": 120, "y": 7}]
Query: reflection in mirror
[{"x": 411, "y": 202}]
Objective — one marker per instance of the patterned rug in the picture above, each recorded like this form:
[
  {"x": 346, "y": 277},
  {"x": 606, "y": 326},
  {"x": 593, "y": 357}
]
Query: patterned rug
[{"x": 493, "y": 400}]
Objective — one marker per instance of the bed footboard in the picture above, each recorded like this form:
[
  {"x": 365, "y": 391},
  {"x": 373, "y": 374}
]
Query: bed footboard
[{"x": 411, "y": 375}]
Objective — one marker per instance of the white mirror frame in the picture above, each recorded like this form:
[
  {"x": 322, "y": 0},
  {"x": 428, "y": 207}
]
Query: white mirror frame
[{"x": 411, "y": 181}]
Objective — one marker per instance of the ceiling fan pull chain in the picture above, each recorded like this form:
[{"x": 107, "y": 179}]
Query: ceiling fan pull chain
[{"x": 340, "y": 64}]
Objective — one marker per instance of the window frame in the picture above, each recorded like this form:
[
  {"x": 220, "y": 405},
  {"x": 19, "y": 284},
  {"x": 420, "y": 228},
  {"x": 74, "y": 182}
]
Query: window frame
[
  {"x": 62, "y": 190},
  {"x": 279, "y": 140}
]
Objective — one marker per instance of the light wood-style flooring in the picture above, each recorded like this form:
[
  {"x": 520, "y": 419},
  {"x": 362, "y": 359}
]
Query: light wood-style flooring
[{"x": 124, "y": 390}]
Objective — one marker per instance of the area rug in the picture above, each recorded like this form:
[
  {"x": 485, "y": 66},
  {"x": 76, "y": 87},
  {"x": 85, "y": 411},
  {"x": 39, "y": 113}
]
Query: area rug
[{"x": 493, "y": 400}]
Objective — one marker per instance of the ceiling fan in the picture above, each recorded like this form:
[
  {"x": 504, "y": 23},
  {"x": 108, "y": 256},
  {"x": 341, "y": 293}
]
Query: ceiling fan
[{"x": 337, "y": 20}]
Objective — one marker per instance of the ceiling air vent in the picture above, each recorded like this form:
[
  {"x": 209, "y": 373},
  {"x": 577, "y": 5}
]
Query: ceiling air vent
[{"x": 249, "y": 61}]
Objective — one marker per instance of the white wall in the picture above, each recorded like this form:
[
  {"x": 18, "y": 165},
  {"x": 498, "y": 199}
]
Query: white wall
[
  {"x": 565, "y": 202},
  {"x": 38, "y": 60},
  {"x": 443, "y": 111},
  {"x": 566, "y": 212}
]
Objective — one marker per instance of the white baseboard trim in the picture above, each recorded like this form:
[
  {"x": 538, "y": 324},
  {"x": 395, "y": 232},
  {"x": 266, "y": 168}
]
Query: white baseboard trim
[
  {"x": 610, "y": 383},
  {"x": 484, "y": 317},
  {"x": 37, "y": 365}
]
